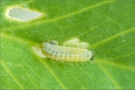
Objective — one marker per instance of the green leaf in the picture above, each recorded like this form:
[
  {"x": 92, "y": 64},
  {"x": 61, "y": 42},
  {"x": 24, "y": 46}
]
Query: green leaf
[{"x": 107, "y": 25}]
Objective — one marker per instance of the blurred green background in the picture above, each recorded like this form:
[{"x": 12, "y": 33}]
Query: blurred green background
[{"x": 107, "y": 25}]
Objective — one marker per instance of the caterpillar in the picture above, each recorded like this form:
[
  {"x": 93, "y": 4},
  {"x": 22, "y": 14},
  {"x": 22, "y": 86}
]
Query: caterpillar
[{"x": 63, "y": 53}]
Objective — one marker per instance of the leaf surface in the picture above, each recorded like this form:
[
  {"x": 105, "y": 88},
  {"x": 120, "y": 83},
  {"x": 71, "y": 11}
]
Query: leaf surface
[{"x": 107, "y": 25}]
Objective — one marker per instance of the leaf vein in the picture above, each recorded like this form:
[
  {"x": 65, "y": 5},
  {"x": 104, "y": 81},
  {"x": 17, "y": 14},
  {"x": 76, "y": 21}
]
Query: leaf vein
[
  {"x": 51, "y": 71},
  {"x": 59, "y": 18},
  {"x": 12, "y": 75},
  {"x": 110, "y": 77},
  {"x": 112, "y": 37}
]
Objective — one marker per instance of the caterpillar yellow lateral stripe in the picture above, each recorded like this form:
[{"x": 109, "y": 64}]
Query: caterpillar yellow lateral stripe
[{"x": 62, "y": 53}]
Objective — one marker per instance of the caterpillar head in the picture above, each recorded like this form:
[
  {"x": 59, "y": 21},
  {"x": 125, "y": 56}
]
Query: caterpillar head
[{"x": 53, "y": 42}]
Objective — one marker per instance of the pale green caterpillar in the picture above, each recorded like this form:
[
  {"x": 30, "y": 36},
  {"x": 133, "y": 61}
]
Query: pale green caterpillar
[{"x": 63, "y": 53}]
